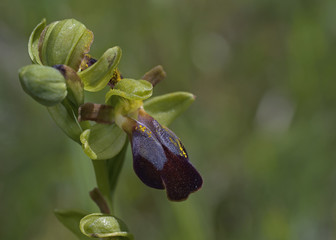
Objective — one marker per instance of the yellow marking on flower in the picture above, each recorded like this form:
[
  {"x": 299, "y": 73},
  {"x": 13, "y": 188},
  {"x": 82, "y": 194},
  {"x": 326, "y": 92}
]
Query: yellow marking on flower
[
  {"x": 181, "y": 149},
  {"x": 116, "y": 77},
  {"x": 144, "y": 129},
  {"x": 178, "y": 144},
  {"x": 172, "y": 141}
]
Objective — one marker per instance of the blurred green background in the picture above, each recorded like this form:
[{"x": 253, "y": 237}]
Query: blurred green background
[{"x": 262, "y": 131}]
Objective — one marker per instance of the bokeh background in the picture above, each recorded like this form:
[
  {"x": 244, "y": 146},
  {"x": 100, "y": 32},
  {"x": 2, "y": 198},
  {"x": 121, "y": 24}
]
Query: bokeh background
[{"x": 262, "y": 131}]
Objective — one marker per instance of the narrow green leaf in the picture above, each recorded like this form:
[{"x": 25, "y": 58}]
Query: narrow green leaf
[
  {"x": 103, "y": 141},
  {"x": 99, "y": 225},
  {"x": 99, "y": 74},
  {"x": 114, "y": 166},
  {"x": 131, "y": 89},
  {"x": 65, "y": 118},
  {"x": 71, "y": 219},
  {"x": 34, "y": 40},
  {"x": 45, "y": 84},
  {"x": 166, "y": 108}
]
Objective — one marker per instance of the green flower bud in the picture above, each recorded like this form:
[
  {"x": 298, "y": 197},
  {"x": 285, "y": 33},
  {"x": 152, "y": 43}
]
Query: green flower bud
[
  {"x": 45, "y": 84},
  {"x": 64, "y": 42},
  {"x": 99, "y": 225}
]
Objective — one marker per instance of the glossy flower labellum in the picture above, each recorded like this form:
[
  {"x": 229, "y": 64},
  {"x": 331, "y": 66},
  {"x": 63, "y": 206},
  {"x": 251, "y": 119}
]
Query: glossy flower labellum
[{"x": 160, "y": 160}]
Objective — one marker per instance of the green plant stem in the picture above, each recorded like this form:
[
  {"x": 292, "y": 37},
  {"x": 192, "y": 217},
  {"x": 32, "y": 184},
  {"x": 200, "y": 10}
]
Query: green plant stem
[{"x": 102, "y": 178}]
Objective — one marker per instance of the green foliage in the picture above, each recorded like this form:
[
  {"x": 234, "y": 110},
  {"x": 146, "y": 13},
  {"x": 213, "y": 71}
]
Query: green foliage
[
  {"x": 71, "y": 219},
  {"x": 65, "y": 118}
]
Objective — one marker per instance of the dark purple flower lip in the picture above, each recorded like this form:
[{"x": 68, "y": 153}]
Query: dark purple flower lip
[{"x": 160, "y": 160}]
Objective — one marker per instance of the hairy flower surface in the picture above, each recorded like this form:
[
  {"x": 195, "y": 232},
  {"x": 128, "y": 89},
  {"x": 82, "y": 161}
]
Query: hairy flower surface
[{"x": 160, "y": 159}]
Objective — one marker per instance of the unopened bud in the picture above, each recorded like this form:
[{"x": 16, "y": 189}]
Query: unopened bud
[
  {"x": 45, "y": 84},
  {"x": 64, "y": 42}
]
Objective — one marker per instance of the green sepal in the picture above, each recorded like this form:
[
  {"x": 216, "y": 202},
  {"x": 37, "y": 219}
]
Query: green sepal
[
  {"x": 114, "y": 166},
  {"x": 66, "y": 119},
  {"x": 34, "y": 40},
  {"x": 102, "y": 141},
  {"x": 166, "y": 108},
  {"x": 65, "y": 42},
  {"x": 45, "y": 84},
  {"x": 97, "y": 76},
  {"x": 82, "y": 47},
  {"x": 130, "y": 89},
  {"x": 71, "y": 219},
  {"x": 98, "y": 225},
  {"x": 74, "y": 84}
]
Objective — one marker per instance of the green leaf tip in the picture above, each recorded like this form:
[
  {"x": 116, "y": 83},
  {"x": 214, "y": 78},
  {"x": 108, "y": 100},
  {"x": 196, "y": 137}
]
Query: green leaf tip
[
  {"x": 45, "y": 84},
  {"x": 166, "y": 108},
  {"x": 71, "y": 219},
  {"x": 98, "y": 225},
  {"x": 34, "y": 40}
]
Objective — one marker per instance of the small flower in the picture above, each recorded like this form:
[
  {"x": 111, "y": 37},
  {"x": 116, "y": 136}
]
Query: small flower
[{"x": 159, "y": 158}]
